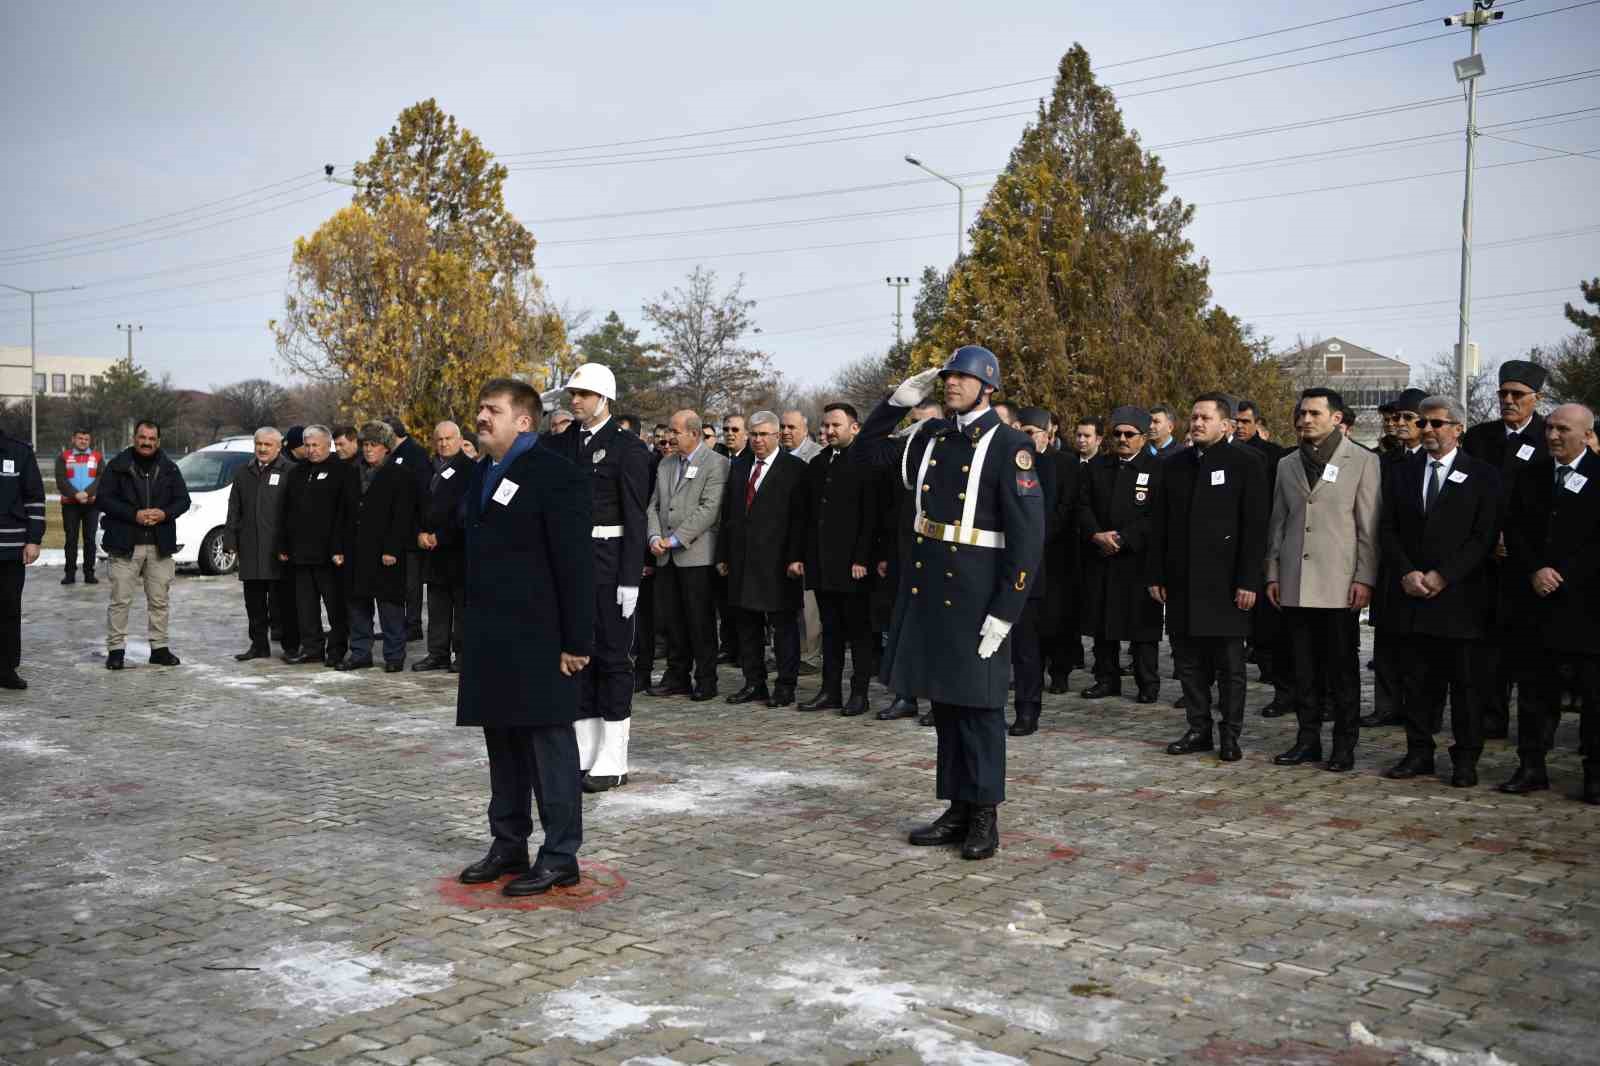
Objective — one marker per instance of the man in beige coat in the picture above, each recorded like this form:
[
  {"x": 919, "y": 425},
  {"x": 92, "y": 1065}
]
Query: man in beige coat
[{"x": 1322, "y": 564}]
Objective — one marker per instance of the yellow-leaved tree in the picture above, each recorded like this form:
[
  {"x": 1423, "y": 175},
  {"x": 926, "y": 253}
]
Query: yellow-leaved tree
[{"x": 424, "y": 286}]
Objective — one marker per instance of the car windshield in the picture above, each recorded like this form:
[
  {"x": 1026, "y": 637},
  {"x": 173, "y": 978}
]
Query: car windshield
[{"x": 205, "y": 471}]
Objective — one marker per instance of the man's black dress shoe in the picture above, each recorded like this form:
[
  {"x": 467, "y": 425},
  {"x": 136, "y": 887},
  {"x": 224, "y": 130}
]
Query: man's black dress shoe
[
  {"x": 1148, "y": 696},
  {"x": 70, "y": 579},
  {"x": 1527, "y": 779},
  {"x": 1192, "y": 741},
  {"x": 641, "y": 684},
  {"x": 494, "y": 866},
  {"x": 727, "y": 658},
  {"x": 114, "y": 659},
  {"x": 1228, "y": 748},
  {"x": 702, "y": 695},
  {"x": 949, "y": 828},
  {"x": 1026, "y": 725},
  {"x": 1060, "y": 686},
  {"x": 1101, "y": 689},
  {"x": 1341, "y": 761},
  {"x": 1274, "y": 710},
  {"x": 855, "y": 705},
  {"x": 900, "y": 708},
  {"x": 1379, "y": 719},
  {"x": 541, "y": 879},
  {"x": 662, "y": 691},
  {"x": 90, "y": 579},
  {"x": 253, "y": 653},
  {"x": 603, "y": 783},
  {"x": 1409, "y": 767},
  {"x": 394, "y": 667},
  {"x": 822, "y": 701},
  {"x": 983, "y": 834},
  {"x": 10, "y": 680},
  {"x": 164, "y": 657},
  {"x": 750, "y": 694},
  {"x": 354, "y": 664},
  {"x": 1463, "y": 776},
  {"x": 782, "y": 696},
  {"x": 429, "y": 663},
  {"x": 1300, "y": 753},
  {"x": 925, "y": 718},
  {"x": 301, "y": 658}
]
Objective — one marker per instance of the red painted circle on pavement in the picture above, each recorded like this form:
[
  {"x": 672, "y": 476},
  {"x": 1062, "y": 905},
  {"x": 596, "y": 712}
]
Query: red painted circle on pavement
[{"x": 596, "y": 884}]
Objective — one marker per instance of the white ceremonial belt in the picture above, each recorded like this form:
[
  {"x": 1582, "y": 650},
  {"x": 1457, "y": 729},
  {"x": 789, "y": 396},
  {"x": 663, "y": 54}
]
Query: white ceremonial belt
[
  {"x": 955, "y": 534},
  {"x": 606, "y": 532}
]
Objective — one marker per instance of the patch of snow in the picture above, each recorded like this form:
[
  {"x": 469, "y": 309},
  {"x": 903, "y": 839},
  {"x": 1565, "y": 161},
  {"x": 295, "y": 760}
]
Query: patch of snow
[
  {"x": 1360, "y": 1034},
  {"x": 31, "y": 746},
  {"x": 591, "y": 1017},
  {"x": 328, "y": 979},
  {"x": 1426, "y": 908},
  {"x": 718, "y": 791}
]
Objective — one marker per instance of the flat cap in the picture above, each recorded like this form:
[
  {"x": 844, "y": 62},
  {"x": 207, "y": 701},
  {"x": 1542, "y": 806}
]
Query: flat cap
[{"x": 1530, "y": 374}]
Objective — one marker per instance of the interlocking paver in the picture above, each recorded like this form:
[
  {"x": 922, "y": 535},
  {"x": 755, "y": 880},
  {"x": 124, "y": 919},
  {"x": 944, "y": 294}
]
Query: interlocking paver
[{"x": 254, "y": 863}]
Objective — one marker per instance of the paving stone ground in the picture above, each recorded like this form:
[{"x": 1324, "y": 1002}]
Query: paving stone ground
[{"x": 226, "y": 863}]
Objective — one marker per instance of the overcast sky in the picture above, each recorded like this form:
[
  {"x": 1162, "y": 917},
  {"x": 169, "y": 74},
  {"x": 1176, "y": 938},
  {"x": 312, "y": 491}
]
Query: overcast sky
[{"x": 125, "y": 125}]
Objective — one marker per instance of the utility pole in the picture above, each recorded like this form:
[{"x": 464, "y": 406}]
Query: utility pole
[
  {"x": 961, "y": 203},
  {"x": 899, "y": 284},
  {"x": 1468, "y": 71},
  {"x": 33, "y": 355},
  {"x": 130, "y": 329}
]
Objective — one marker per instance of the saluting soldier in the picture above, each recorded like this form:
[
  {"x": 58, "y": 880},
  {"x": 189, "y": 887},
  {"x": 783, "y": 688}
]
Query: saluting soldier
[
  {"x": 1117, "y": 501},
  {"x": 618, "y": 465},
  {"x": 971, "y": 564}
]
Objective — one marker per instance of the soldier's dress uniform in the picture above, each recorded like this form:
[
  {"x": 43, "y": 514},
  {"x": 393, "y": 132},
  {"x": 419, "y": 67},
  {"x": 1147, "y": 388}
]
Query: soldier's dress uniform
[{"x": 978, "y": 535}]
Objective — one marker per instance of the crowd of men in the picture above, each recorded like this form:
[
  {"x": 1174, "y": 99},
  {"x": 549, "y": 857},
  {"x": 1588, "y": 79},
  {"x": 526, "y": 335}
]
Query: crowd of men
[{"x": 897, "y": 541}]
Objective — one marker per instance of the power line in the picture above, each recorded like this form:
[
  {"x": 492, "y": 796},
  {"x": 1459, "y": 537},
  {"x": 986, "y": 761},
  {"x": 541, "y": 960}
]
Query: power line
[
  {"x": 1401, "y": 307},
  {"x": 1395, "y": 256}
]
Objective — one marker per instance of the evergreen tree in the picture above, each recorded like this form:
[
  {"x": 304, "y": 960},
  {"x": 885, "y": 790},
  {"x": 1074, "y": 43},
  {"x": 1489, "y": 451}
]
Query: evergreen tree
[
  {"x": 639, "y": 371},
  {"x": 1575, "y": 371}
]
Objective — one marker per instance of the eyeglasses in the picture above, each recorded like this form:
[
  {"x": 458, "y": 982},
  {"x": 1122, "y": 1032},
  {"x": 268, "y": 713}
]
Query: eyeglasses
[
  {"x": 1513, "y": 394},
  {"x": 1126, "y": 434},
  {"x": 1436, "y": 423}
]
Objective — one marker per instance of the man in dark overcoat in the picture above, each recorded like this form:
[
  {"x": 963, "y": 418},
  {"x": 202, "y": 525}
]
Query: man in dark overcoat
[
  {"x": 443, "y": 540},
  {"x": 893, "y": 552},
  {"x": 1058, "y": 627},
  {"x": 1028, "y": 635},
  {"x": 842, "y": 524},
  {"x": 1268, "y": 646},
  {"x": 412, "y": 457},
  {"x": 1207, "y": 565},
  {"x": 1552, "y": 536},
  {"x": 251, "y": 530},
  {"x": 761, "y": 551},
  {"x": 1117, "y": 501},
  {"x": 379, "y": 532},
  {"x": 978, "y": 537},
  {"x": 322, "y": 493},
  {"x": 530, "y": 629},
  {"x": 1437, "y": 527},
  {"x": 1390, "y": 660}
]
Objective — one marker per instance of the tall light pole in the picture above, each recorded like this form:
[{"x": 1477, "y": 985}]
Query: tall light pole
[
  {"x": 33, "y": 355},
  {"x": 130, "y": 329},
  {"x": 961, "y": 202},
  {"x": 1468, "y": 71},
  {"x": 899, "y": 284}
]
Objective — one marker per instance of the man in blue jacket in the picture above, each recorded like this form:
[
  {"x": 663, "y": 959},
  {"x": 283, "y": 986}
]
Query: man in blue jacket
[{"x": 141, "y": 496}]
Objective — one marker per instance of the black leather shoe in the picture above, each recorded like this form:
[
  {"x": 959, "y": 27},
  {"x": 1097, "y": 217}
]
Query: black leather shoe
[
  {"x": 855, "y": 705},
  {"x": 1101, "y": 689},
  {"x": 1148, "y": 696},
  {"x": 641, "y": 684},
  {"x": 925, "y": 718},
  {"x": 750, "y": 694},
  {"x": 949, "y": 828},
  {"x": 413, "y": 635},
  {"x": 494, "y": 866},
  {"x": 822, "y": 701},
  {"x": 1060, "y": 686},
  {"x": 1409, "y": 767},
  {"x": 302, "y": 658},
  {"x": 70, "y": 579},
  {"x": 1274, "y": 710},
  {"x": 332, "y": 661},
  {"x": 1464, "y": 776},
  {"x": 455, "y": 666},
  {"x": 1527, "y": 779},
  {"x": 603, "y": 783},
  {"x": 90, "y": 579},
  {"x": 703, "y": 695},
  {"x": 1377, "y": 720},
  {"x": 1228, "y": 747},
  {"x": 540, "y": 880},
  {"x": 1192, "y": 741},
  {"x": 394, "y": 667},
  {"x": 252, "y": 653},
  {"x": 662, "y": 691},
  {"x": 429, "y": 663},
  {"x": 782, "y": 696},
  {"x": 114, "y": 659},
  {"x": 10, "y": 680},
  {"x": 354, "y": 664},
  {"x": 1027, "y": 723},
  {"x": 163, "y": 657},
  {"x": 1341, "y": 761},
  {"x": 1298, "y": 754},
  {"x": 983, "y": 834},
  {"x": 900, "y": 708},
  {"x": 1591, "y": 789}
]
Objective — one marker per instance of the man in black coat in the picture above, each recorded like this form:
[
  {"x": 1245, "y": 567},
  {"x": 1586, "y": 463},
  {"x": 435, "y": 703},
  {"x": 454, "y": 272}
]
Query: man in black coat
[
  {"x": 735, "y": 439},
  {"x": 412, "y": 457},
  {"x": 978, "y": 541},
  {"x": 1510, "y": 657},
  {"x": 761, "y": 551},
  {"x": 1207, "y": 565},
  {"x": 1552, "y": 536},
  {"x": 530, "y": 630},
  {"x": 1117, "y": 503},
  {"x": 142, "y": 493},
  {"x": 1064, "y": 566},
  {"x": 1268, "y": 648},
  {"x": 838, "y": 561},
  {"x": 644, "y": 630},
  {"x": 442, "y": 540},
  {"x": 21, "y": 531},
  {"x": 378, "y": 533},
  {"x": 896, "y": 515},
  {"x": 1390, "y": 662},
  {"x": 1438, "y": 525},
  {"x": 322, "y": 493},
  {"x": 252, "y": 531},
  {"x": 1028, "y": 635}
]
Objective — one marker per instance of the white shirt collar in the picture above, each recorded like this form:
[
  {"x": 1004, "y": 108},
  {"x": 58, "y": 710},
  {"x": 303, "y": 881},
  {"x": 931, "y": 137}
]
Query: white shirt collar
[
  {"x": 963, "y": 421},
  {"x": 1414, "y": 451},
  {"x": 1448, "y": 460},
  {"x": 1518, "y": 429},
  {"x": 596, "y": 429}
]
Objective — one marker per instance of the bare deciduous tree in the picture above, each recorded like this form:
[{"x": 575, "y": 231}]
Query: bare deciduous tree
[{"x": 699, "y": 331}]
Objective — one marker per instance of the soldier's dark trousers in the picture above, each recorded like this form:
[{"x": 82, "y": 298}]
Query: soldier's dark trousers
[
  {"x": 605, "y": 687},
  {"x": 785, "y": 645},
  {"x": 319, "y": 588},
  {"x": 846, "y": 622},
  {"x": 446, "y": 600},
  {"x": 1202, "y": 660},
  {"x": 1027, "y": 658},
  {"x": 1326, "y": 670},
  {"x": 644, "y": 631},
  {"x": 267, "y": 603},
  {"x": 11, "y": 578},
  {"x": 531, "y": 765},
  {"x": 688, "y": 615},
  {"x": 80, "y": 519},
  {"x": 1108, "y": 666},
  {"x": 415, "y": 562},
  {"x": 1434, "y": 665},
  {"x": 1539, "y": 707},
  {"x": 972, "y": 754}
]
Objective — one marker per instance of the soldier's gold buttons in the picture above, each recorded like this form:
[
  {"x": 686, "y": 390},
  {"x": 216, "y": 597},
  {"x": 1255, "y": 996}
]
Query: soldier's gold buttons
[
  {"x": 947, "y": 603},
  {"x": 914, "y": 590},
  {"x": 927, "y": 488},
  {"x": 961, "y": 495},
  {"x": 919, "y": 564},
  {"x": 966, "y": 470},
  {"x": 933, "y": 462}
]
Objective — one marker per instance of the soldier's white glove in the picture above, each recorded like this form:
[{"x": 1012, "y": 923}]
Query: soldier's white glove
[
  {"x": 992, "y": 635},
  {"x": 914, "y": 388},
  {"x": 627, "y": 599}
]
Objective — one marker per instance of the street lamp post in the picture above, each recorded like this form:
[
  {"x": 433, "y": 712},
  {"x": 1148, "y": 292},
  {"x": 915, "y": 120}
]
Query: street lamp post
[
  {"x": 961, "y": 202},
  {"x": 1468, "y": 71},
  {"x": 33, "y": 354}
]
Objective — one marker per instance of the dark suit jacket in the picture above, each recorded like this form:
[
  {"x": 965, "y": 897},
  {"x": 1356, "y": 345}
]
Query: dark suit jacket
[
  {"x": 1455, "y": 538},
  {"x": 412, "y": 458},
  {"x": 841, "y": 522},
  {"x": 1061, "y": 561},
  {"x": 384, "y": 522},
  {"x": 1116, "y": 603},
  {"x": 758, "y": 544},
  {"x": 1210, "y": 539},
  {"x": 1560, "y": 529},
  {"x": 317, "y": 509},
  {"x": 441, "y": 516}
]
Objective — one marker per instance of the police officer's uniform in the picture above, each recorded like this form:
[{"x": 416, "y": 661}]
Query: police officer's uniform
[
  {"x": 21, "y": 524},
  {"x": 977, "y": 538}
]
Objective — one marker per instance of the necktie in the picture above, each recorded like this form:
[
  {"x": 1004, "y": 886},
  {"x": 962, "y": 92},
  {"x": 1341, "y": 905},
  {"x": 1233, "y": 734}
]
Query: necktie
[
  {"x": 750, "y": 486},
  {"x": 1433, "y": 486},
  {"x": 1562, "y": 473},
  {"x": 583, "y": 440}
]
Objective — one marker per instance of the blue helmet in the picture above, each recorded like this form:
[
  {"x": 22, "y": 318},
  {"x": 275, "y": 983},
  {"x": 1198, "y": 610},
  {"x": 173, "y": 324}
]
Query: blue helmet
[{"x": 976, "y": 361}]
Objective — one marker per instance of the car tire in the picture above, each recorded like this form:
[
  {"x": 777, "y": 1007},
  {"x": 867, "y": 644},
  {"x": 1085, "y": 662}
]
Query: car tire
[{"x": 214, "y": 558}]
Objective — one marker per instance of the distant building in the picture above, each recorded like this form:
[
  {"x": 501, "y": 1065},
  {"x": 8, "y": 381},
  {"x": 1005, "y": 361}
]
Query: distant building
[
  {"x": 1363, "y": 377},
  {"x": 55, "y": 375}
]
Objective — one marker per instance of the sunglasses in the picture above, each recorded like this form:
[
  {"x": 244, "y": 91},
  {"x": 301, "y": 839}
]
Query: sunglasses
[
  {"x": 1513, "y": 394},
  {"x": 1436, "y": 423},
  {"x": 1126, "y": 434}
]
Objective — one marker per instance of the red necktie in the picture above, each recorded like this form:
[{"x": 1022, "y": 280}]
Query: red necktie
[{"x": 750, "y": 486}]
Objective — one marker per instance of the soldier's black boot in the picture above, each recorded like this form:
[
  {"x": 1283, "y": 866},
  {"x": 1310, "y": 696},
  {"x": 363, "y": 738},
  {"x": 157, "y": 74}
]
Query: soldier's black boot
[
  {"x": 1027, "y": 722},
  {"x": 983, "y": 834},
  {"x": 949, "y": 828},
  {"x": 1193, "y": 740},
  {"x": 1530, "y": 777}
]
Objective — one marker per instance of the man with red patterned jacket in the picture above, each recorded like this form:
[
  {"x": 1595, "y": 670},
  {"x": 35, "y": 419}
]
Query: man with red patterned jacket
[{"x": 77, "y": 480}]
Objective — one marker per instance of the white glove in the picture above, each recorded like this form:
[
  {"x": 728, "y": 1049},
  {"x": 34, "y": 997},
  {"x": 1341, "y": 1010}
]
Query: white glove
[
  {"x": 627, "y": 599},
  {"x": 914, "y": 388},
  {"x": 992, "y": 634}
]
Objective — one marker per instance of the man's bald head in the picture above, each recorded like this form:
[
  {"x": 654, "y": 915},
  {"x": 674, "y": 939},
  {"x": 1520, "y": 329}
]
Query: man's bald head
[
  {"x": 1567, "y": 430},
  {"x": 793, "y": 430},
  {"x": 446, "y": 439}
]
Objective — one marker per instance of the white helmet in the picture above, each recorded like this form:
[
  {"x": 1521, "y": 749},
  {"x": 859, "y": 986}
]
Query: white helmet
[{"x": 592, "y": 377}]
